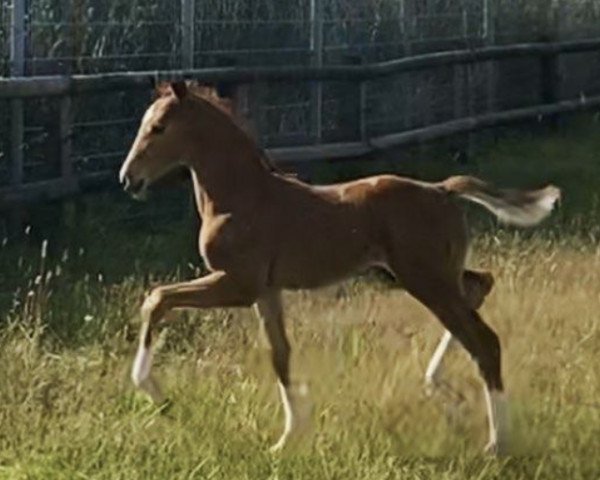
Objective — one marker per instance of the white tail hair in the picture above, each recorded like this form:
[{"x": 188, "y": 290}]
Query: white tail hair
[{"x": 523, "y": 208}]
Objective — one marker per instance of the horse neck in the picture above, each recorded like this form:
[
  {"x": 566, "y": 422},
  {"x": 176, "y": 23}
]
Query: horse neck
[{"x": 230, "y": 178}]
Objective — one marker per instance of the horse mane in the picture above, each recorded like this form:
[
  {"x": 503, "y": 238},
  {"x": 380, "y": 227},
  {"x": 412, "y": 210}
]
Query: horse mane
[
  {"x": 210, "y": 94},
  {"x": 204, "y": 91}
]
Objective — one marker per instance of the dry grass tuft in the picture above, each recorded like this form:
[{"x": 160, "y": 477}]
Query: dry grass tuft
[{"x": 68, "y": 412}]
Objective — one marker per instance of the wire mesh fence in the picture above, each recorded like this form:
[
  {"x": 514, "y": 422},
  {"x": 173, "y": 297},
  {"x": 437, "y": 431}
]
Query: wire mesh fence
[
  {"x": 251, "y": 33},
  {"x": 86, "y": 36},
  {"x": 103, "y": 127},
  {"x": 94, "y": 36},
  {"x": 91, "y": 36}
]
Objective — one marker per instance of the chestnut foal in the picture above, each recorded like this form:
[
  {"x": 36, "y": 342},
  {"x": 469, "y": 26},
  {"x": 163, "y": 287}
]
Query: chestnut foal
[{"x": 263, "y": 232}]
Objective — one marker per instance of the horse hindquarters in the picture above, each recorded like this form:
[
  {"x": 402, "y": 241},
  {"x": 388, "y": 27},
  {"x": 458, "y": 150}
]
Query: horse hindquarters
[
  {"x": 476, "y": 287},
  {"x": 427, "y": 248}
]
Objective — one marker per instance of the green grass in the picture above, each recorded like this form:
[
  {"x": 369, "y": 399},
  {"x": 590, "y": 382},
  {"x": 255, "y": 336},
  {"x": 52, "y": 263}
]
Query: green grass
[
  {"x": 71, "y": 411},
  {"x": 68, "y": 409}
]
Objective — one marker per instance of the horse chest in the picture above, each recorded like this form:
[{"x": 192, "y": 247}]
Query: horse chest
[{"x": 221, "y": 240}]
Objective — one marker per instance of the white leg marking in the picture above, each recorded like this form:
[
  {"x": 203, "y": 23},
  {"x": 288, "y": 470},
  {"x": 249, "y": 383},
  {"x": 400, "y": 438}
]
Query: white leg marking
[
  {"x": 497, "y": 411},
  {"x": 434, "y": 367},
  {"x": 297, "y": 410},
  {"x": 140, "y": 374},
  {"x": 141, "y": 365}
]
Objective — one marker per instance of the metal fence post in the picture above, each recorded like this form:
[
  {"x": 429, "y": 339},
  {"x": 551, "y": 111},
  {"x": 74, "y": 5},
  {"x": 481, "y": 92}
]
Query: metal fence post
[
  {"x": 187, "y": 61},
  {"x": 65, "y": 118},
  {"x": 316, "y": 50},
  {"x": 550, "y": 83},
  {"x": 405, "y": 20},
  {"x": 560, "y": 13},
  {"x": 362, "y": 112},
  {"x": 550, "y": 77},
  {"x": 489, "y": 38},
  {"x": 17, "y": 69},
  {"x": 459, "y": 145},
  {"x": 187, "y": 33},
  {"x": 407, "y": 16},
  {"x": 459, "y": 77},
  {"x": 470, "y": 107},
  {"x": 65, "y": 122}
]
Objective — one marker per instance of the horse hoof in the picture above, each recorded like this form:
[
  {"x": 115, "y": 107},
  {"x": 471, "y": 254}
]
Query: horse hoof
[
  {"x": 491, "y": 449},
  {"x": 279, "y": 446},
  {"x": 430, "y": 387},
  {"x": 291, "y": 439},
  {"x": 495, "y": 449}
]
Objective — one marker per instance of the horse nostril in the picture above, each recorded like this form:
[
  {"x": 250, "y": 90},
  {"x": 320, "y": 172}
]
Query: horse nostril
[{"x": 132, "y": 186}]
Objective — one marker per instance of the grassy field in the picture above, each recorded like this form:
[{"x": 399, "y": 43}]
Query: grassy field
[{"x": 68, "y": 410}]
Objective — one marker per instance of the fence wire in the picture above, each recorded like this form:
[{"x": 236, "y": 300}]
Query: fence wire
[
  {"x": 97, "y": 36},
  {"x": 90, "y": 36}
]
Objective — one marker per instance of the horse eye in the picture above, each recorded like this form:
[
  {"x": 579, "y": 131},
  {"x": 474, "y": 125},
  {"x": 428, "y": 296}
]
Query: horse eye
[{"x": 157, "y": 129}]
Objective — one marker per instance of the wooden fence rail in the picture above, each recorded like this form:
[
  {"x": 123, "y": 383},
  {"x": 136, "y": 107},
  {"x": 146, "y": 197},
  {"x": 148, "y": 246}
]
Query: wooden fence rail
[
  {"x": 18, "y": 88},
  {"x": 56, "y": 85},
  {"x": 61, "y": 187}
]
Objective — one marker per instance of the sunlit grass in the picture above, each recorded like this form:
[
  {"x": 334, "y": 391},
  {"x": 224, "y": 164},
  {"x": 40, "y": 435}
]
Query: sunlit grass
[
  {"x": 69, "y": 323},
  {"x": 70, "y": 411}
]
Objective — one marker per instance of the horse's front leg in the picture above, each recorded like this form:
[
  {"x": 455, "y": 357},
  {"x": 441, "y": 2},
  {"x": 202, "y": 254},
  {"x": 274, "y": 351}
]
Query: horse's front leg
[
  {"x": 296, "y": 406},
  {"x": 214, "y": 290}
]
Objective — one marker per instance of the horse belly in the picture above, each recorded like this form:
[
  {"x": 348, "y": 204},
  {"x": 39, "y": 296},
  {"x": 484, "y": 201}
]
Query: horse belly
[{"x": 316, "y": 264}]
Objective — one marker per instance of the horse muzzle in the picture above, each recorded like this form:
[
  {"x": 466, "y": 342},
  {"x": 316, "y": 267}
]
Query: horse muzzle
[{"x": 133, "y": 186}]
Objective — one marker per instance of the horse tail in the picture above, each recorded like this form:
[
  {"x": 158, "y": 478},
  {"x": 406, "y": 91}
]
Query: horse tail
[{"x": 523, "y": 208}]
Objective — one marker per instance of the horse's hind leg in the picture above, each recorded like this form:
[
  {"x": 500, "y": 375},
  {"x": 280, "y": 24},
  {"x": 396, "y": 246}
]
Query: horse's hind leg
[
  {"x": 476, "y": 286},
  {"x": 270, "y": 312},
  {"x": 448, "y": 303},
  {"x": 434, "y": 367}
]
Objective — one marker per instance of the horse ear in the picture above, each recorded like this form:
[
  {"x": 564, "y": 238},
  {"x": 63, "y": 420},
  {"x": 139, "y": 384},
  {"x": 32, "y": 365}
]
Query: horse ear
[{"x": 179, "y": 88}]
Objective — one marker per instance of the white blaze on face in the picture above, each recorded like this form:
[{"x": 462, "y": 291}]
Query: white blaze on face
[
  {"x": 147, "y": 117},
  {"x": 144, "y": 125}
]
